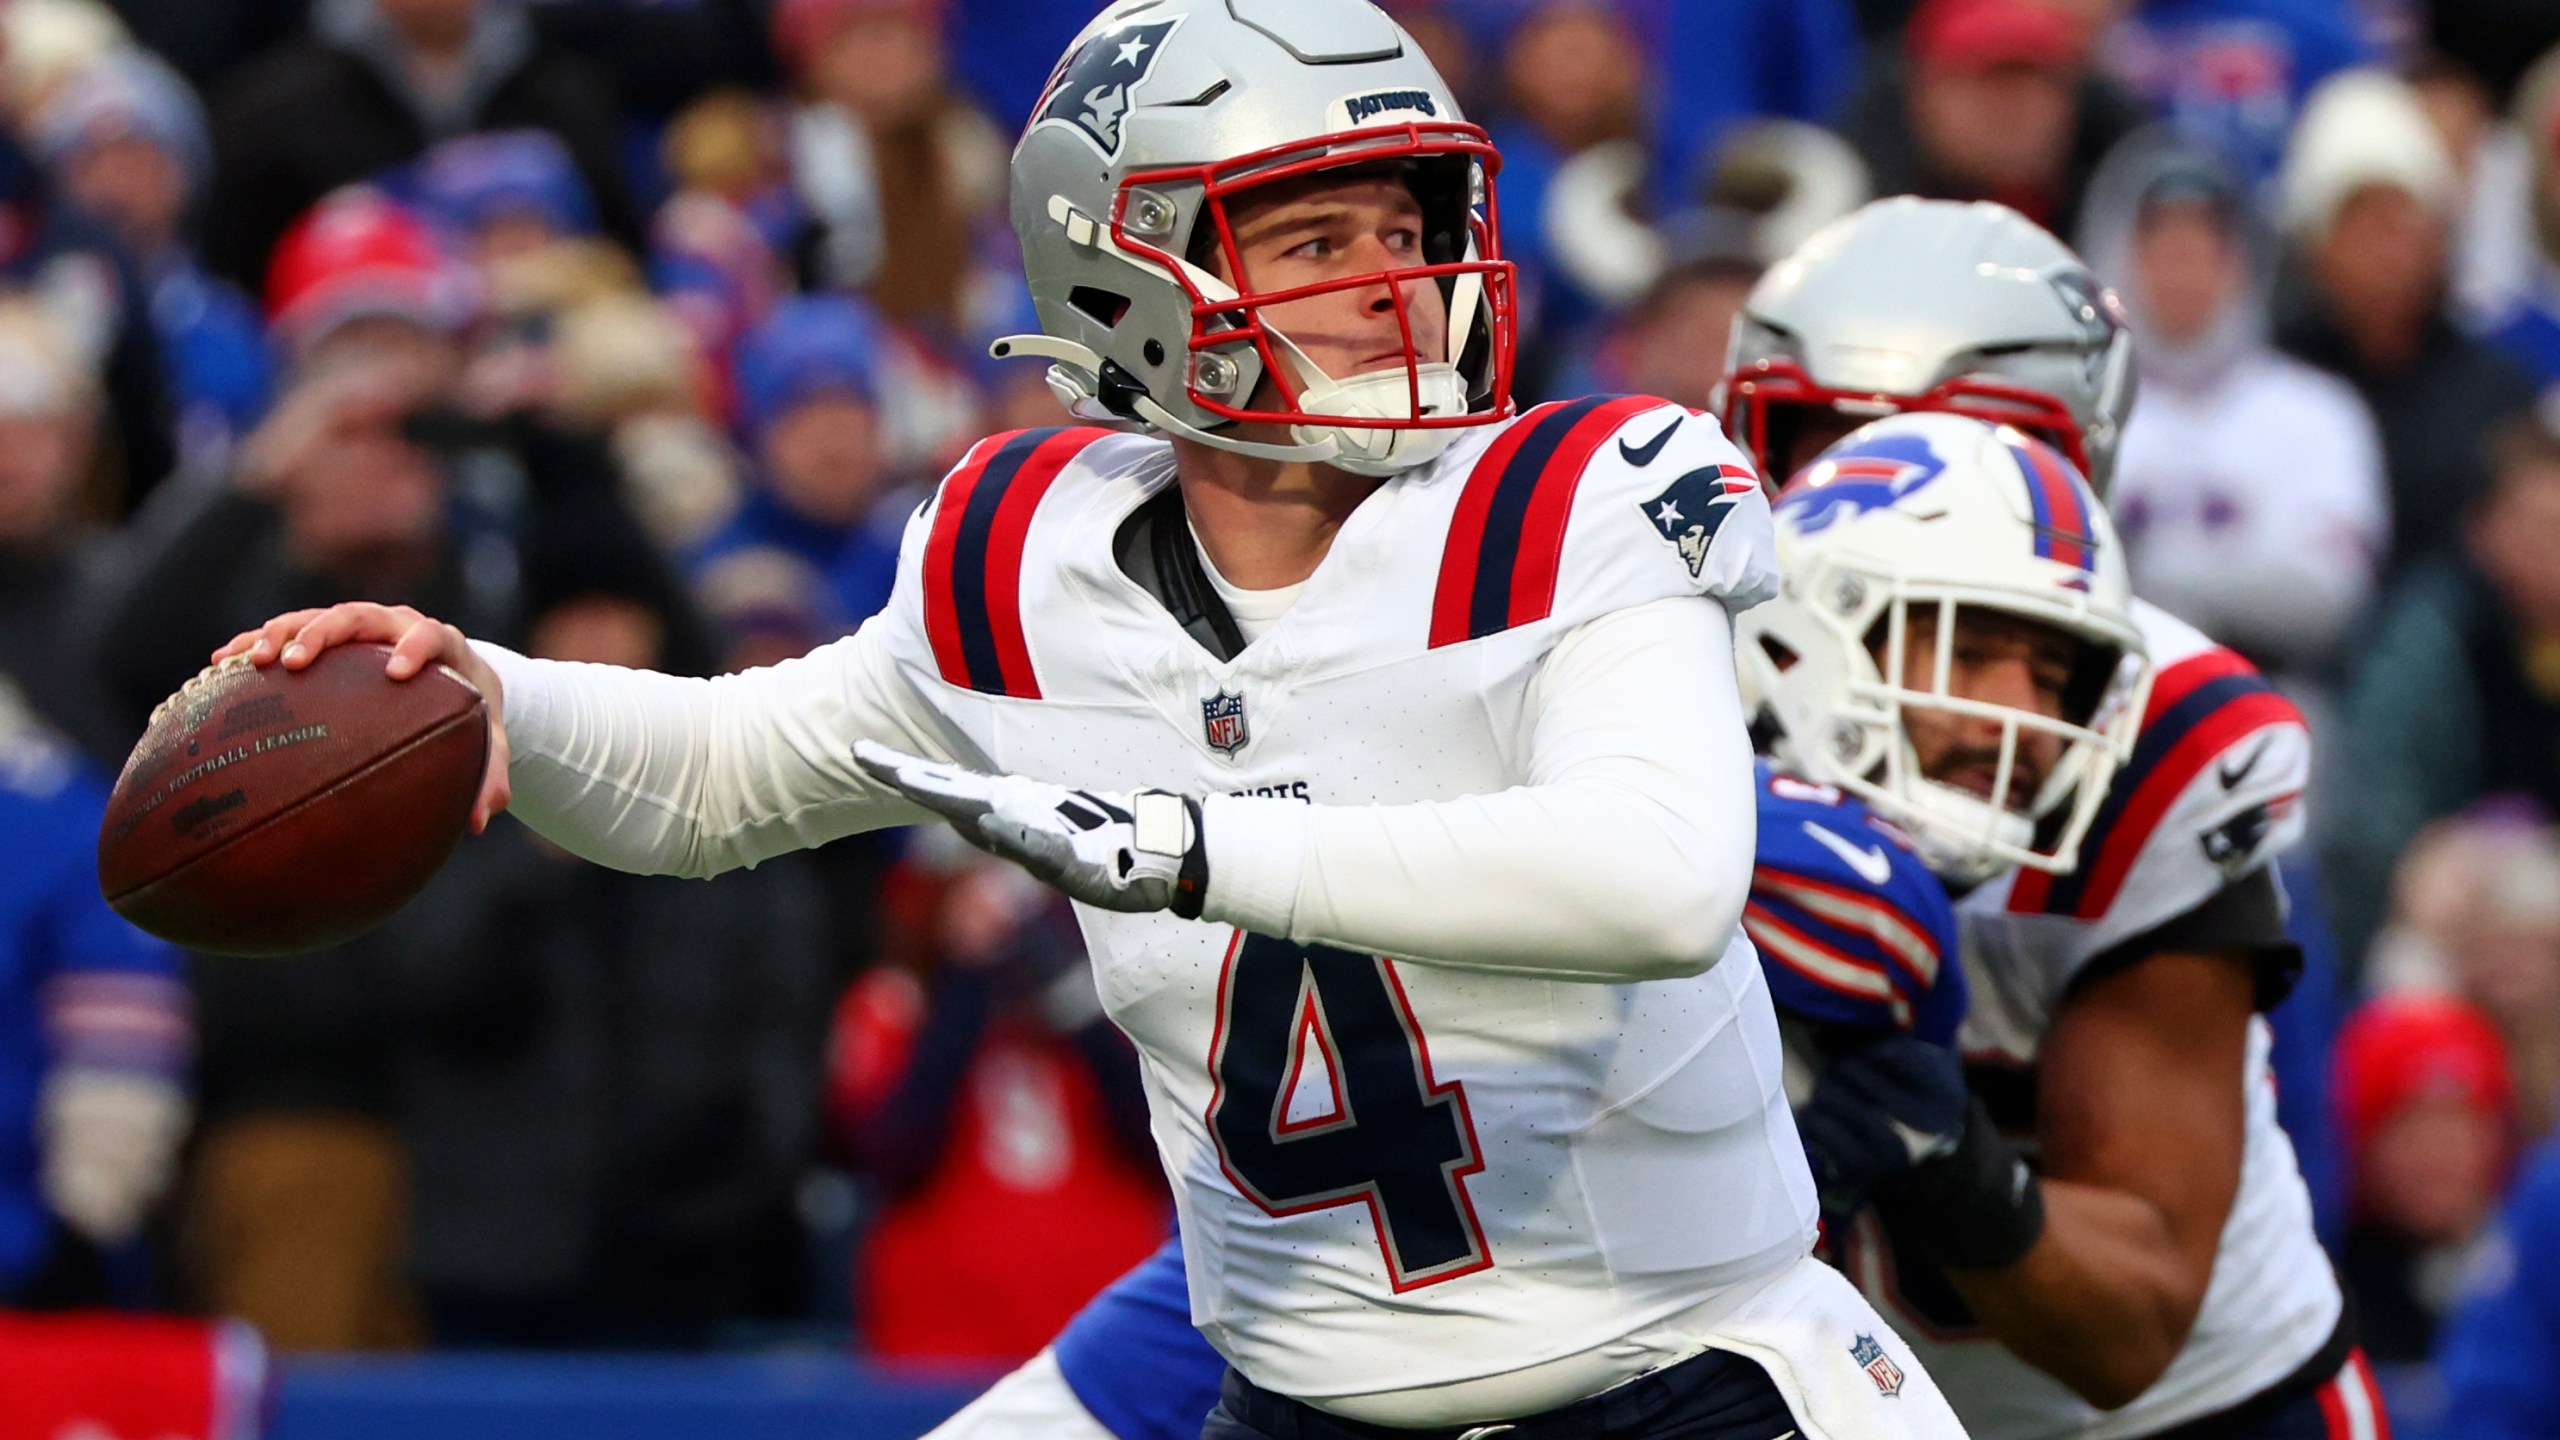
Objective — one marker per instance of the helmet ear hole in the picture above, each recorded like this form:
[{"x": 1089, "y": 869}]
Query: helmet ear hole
[
  {"x": 1781, "y": 654},
  {"x": 1103, "y": 306}
]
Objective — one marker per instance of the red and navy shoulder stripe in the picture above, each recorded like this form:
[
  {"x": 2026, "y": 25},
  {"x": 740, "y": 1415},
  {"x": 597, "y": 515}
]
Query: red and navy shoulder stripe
[
  {"x": 973, "y": 557},
  {"x": 2200, "y": 707},
  {"x": 1506, "y": 543}
]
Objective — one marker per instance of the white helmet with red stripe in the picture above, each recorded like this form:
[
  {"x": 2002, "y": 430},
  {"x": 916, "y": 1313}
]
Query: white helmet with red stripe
[{"x": 1893, "y": 544}]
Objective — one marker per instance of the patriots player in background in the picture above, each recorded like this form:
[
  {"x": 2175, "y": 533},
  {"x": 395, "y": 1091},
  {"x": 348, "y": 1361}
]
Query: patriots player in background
[
  {"x": 1424, "y": 707},
  {"x": 2160, "y": 1276}
]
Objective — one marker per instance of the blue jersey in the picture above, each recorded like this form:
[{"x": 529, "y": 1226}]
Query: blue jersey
[
  {"x": 2501, "y": 1352},
  {"x": 1852, "y": 930},
  {"x": 77, "y": 984}
]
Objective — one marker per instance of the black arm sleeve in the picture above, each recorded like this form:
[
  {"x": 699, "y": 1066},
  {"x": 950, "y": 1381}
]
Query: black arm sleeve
[{"x": 2246, "y": 915}]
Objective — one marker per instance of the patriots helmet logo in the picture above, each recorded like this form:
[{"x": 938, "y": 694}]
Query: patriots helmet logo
[
  {"x": 1879, "y": 1366},
  {"x": 1690, "y": 509},
  {"x": 1090, "y": 91}
]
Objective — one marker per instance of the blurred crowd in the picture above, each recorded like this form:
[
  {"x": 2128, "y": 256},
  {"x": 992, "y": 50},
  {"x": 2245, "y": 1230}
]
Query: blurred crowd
[{"x": 633, "y": 330}]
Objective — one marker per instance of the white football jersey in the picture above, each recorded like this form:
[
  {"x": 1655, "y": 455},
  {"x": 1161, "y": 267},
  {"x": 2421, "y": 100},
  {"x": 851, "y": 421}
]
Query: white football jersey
[
  {"x": 1390, "y": 1174},
  {"x": 2212, "y": 792}
]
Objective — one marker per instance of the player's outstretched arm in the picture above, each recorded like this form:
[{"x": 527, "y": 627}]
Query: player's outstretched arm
[
  {"x": 652, "y": 773},
  {"x": 1625, "y": 856}
]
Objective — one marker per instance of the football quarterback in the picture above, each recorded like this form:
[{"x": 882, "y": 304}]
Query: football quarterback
[{"x": 1387, "y": 738}]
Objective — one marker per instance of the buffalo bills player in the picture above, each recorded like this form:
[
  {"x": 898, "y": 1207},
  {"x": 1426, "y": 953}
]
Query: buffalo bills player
[
  {"x": 2158, "y": 1276},
  {"x": 1418, "y": 841}
]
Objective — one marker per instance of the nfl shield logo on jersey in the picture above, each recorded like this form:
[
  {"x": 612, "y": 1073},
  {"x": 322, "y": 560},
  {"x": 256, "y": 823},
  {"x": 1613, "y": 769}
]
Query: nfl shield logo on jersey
[
  {"x": 1222, "y": 715},
  {"x": 1879, "y": 1366}
]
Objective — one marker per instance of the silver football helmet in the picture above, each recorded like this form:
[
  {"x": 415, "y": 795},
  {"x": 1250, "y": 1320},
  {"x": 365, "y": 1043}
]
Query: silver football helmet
[
  {"x": 1933, "y": 305},
  {"x": 1161, "y": 116}
]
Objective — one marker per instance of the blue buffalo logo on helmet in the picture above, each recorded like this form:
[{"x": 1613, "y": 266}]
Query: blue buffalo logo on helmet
[
  {"x": 1846, "y": 483},
  {"x": 1690, "y": 509},
  {"x": 1090, "y": 92}
]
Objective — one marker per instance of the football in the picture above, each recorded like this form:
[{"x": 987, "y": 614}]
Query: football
[{"x": 268, "y": 811}]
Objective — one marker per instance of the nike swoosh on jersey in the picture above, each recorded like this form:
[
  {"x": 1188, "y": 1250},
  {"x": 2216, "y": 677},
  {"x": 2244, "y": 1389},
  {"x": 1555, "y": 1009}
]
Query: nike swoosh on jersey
[
  {"x": 2231, "y": 776},
  {"x": 1642, "y": 455},
  {"x": 1871, "y": 863}
]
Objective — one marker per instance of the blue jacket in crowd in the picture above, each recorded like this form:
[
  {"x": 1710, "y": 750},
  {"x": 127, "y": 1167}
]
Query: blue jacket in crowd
[
  {"x": 2501, "y": 1352},
  {"x": 54, "y": 928}
]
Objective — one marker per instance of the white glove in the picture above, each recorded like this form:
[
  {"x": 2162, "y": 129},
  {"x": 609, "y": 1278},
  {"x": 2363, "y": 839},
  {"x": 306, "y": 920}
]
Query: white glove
[
  {"x": 1130, "y": 852},
  {"x": 109, "y": 1138}
]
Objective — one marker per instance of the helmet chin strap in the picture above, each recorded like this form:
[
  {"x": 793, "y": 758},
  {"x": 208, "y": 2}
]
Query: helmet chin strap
[{"x": 1076, "y": 374}]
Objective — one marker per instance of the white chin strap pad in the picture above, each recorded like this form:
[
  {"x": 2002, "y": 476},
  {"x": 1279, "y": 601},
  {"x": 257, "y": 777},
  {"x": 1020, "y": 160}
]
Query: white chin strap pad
[{"x": 1385, "y": 395}]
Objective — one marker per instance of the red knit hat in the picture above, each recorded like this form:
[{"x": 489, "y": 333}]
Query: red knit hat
[
  {"x": 359, "y": 253},
  {"x": 1978, "y": 34},
  {"x": 2401, "y": 1048}
]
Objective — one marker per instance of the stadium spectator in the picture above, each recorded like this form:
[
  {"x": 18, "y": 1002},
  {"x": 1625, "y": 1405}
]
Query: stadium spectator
[
  {"x": 2428, "y": 1108},
  {"x": 2454, "y": 698},
  {"x": 125, "y": 139},
  {"x": 2493, "y": 39},
  {"x": 2229, "y": 74},
  {"x": 1671, "y": 342},
  {"x": 371, "y": 477},
  {"x": 374, "y": 84},
  {"x": 719, "y": 246},
  {"x": 52, "y": 252},
  {"x": 95, "y": 1032},
  {"x": 48, "y": 548},
  {"x": 1721, "y": 64},
  {"x": 2249, "y": 486},
  {"x": 1989, "y": 100},
  {"x": 899, "y": 177},
  {"x": 2529, "y": 333},
  {"x": 606, "y": 1132},
  {"x": 2366, "y": 196},
  {"x": 2501, "y": 1351},
  {"x": 1569, "y": 74},
  {"x": 627, "y": 366},
  {"x": 986, "y": 1098},
  {"x": 506, "y": 193},
  {"x": 808, "y": 393}
]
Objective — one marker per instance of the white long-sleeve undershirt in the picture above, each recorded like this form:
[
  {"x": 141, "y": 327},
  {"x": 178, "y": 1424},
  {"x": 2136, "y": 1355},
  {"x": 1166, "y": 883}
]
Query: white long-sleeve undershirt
[{"x": 1625, "y": 854}]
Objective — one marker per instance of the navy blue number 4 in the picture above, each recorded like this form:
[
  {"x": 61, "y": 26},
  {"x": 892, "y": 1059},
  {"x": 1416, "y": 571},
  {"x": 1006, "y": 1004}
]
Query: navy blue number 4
[{"x": 1324, "y": 1096}]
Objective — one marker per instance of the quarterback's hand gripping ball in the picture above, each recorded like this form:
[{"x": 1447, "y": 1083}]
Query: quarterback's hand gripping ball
[{"x": 1130, "y": 852}]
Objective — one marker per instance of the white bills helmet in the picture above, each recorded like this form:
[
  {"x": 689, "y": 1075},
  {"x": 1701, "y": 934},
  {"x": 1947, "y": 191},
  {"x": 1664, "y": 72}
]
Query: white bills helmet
[
  {"x": 1911, "y": 304},
  {"x": 1161, "y": 116},
  {"x": 1942, "y": 515}
]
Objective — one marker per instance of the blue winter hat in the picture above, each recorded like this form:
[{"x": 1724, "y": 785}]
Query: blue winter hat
[
  {"x": 128, "y": 93},
  {"x": 810, "y": 345},
  {"x": 476, "y": 179}
]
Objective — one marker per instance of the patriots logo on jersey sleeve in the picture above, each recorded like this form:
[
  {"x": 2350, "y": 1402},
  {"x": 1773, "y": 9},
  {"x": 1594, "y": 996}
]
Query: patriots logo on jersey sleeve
[
  {"x": 1090, "y": 92},
  {"x": 1689, "y": 509},
  {"x": 1848, "y": 483}
]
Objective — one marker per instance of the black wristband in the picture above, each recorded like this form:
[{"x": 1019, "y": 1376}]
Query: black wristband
[
  {"x": 1976, "y": 1208},
  {"x": 1191, "y": 882}
]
